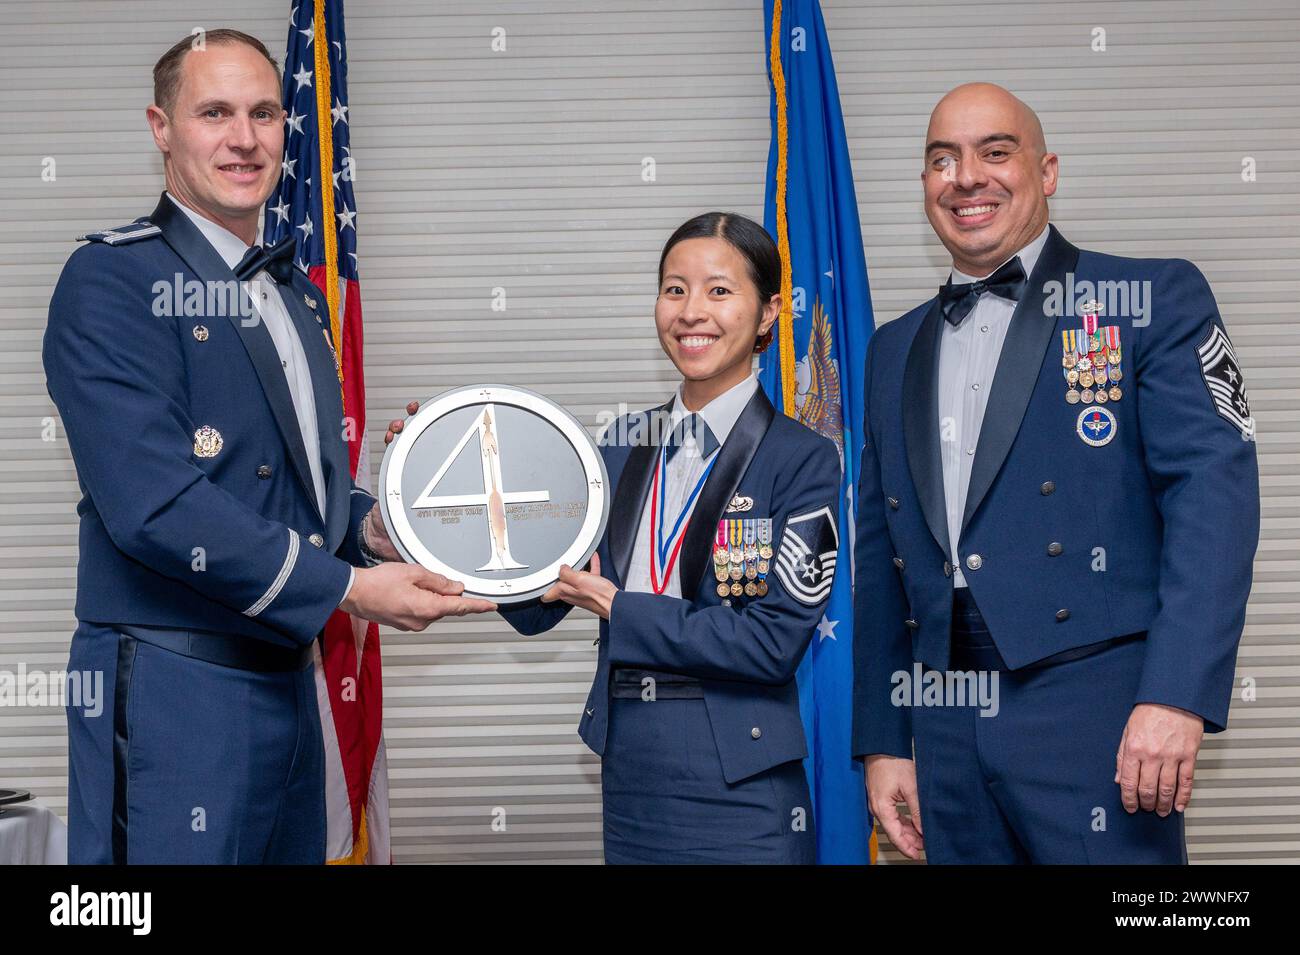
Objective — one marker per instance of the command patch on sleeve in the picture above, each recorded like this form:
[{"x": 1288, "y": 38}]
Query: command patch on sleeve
[
  {"x": 1222, "y": 374},
  {"x": 805, "y": 562}
]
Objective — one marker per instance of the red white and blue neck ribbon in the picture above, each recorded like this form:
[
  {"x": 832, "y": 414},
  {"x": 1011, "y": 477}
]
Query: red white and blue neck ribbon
[{"x": 664, "y": 551}]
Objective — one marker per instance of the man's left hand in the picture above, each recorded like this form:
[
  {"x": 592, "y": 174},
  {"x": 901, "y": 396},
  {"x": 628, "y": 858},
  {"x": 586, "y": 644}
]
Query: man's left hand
[{"x": 1157, "y": 756}]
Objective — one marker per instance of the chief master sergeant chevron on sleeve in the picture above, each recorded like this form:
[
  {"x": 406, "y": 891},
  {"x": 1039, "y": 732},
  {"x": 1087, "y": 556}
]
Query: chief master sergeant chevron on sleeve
[{"x": 220, "y": 526}]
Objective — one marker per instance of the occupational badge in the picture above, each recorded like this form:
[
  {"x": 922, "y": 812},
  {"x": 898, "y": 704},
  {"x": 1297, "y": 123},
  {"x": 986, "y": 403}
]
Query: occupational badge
[
  {"x": 207, "y": 442},
  {"x": 739, "y": 503},
  {"x": 1096, "y": 426}
]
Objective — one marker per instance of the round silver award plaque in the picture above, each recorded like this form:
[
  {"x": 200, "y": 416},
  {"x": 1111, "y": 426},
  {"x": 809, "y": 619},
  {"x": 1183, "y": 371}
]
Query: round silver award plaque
[{"x": 496, "y": 487}]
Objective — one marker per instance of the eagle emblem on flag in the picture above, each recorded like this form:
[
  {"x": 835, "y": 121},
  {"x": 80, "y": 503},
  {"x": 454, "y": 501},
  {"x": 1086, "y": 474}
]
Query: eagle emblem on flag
[
  {"x": 805, "y": 561},
  {"x": 817, "y": 383}
]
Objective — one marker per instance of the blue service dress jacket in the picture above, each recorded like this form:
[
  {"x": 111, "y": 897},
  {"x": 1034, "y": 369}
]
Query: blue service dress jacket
[
  {"x": 743, "y": 650},
  {"x": 197, "y": 508},
  {"x": 1084, "y": 522}
]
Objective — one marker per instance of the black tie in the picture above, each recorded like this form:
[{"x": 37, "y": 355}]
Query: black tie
[
  {"x": 697, "y": 426},
  {"x": 276, "y": 259},
  {"x": 1007, "y": 282}
]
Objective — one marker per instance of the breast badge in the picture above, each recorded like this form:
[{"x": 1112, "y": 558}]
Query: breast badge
[
  {"x": 207, "y": 442},
  {"x": 1096, "y": 426}
]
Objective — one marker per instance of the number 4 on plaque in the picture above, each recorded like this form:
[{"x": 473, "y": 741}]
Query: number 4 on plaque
[{"x": 493, "y": 497}]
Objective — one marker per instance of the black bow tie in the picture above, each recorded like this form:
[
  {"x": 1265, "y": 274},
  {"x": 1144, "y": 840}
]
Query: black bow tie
[
  {"x": 276, "y": 259},
  {"x": 1007, "y": 282}
]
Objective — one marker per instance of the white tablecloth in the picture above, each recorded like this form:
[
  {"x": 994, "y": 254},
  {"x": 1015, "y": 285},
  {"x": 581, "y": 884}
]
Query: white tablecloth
[{"x": 30, "y": 834}]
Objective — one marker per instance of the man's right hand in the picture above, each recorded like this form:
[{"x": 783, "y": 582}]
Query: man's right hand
[
  {"x": 891, "y": 780},
  {"x": 408, "y": 597}
]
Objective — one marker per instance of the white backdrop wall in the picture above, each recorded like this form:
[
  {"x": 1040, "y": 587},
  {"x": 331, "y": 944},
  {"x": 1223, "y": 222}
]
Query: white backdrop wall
[{"x": 524, "y": 170}]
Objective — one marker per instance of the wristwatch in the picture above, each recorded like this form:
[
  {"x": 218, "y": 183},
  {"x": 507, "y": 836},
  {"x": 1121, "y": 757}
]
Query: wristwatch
[{"x": 371, "y": 558}]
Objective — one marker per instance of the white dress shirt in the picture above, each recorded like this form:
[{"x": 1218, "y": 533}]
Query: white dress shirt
[
  {"x": 968, "y": 359},
  {"x": 265, "y": 295},
  {"x": 684, "y": 471}
]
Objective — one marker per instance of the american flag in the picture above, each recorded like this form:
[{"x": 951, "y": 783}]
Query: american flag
[{"x": 314, "y": 203}]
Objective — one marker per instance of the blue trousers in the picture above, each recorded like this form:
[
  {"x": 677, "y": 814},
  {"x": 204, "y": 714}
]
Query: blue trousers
[
  {"x": 1035, "y": 783},
  {"x": 191, "y": 762},
  {"x": 665, "y": 799}
]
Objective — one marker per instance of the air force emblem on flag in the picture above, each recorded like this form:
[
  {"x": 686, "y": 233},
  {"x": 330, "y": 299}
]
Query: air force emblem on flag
[
  {"x": 805, "y": 562},
  {"x": 1222, "y": 374}
]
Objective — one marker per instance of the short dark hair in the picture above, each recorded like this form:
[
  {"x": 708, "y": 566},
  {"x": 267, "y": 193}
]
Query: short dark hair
[
  {"x": 167, "y": 71},
  {"x": 749, "y": 239}
]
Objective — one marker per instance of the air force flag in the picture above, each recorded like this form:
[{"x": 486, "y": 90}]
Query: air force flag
[{"x": 814, "y": 375}]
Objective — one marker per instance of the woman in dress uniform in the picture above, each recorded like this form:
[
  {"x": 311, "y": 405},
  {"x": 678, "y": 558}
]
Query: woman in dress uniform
[{"x": 714, "y": 569}]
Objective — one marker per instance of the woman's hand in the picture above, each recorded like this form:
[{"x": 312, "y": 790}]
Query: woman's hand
[
  {"x": 395, "y": 426},
  {"x": 584, "y": 588}
]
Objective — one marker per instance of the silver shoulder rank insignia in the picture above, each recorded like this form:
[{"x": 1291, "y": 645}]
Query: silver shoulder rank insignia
[
  {"x": 122, "y": 235},
  {"x": 805, "y": 561},
  {"x": 207, "y": 442},
  {"x": 1223, "y": 378},
  {"x": 740, "y": 503}
]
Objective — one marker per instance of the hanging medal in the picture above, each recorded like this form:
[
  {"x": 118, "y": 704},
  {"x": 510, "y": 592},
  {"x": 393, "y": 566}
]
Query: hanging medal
[
  {"x": 765, "y": 539},
  {"x": 1068, "y": 361},
  {"x": 751, "y": 556},
  {"x": 1098, "y": 359},
  {"x": 664, "y": 551},
  {"x": 736, "y": 560},
  {"x": 764, "y": 555},
  {"x": 1091, "y": 312},
  {"x": 1083, "y": 364},
  {"x": 737, "y": 572},
  {"x": 1112, "y": 344},
  {"x": 722, "y": 559},
  {"x": 720, "y": 543}
]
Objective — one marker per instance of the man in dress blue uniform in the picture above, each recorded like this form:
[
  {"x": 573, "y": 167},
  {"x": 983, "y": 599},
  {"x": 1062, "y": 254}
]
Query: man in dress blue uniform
[
  {"x": 1059, "y": 495},
  {"x": 220, "y": 526}
]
